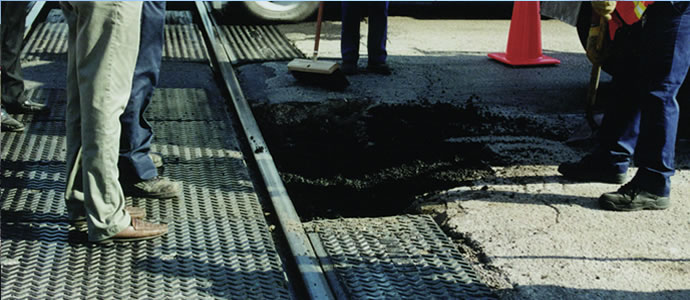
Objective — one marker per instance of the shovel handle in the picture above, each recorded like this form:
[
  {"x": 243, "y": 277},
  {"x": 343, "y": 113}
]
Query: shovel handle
[
  {"x": 594, "y": 77},
  {"x": 317, "y": 37}
]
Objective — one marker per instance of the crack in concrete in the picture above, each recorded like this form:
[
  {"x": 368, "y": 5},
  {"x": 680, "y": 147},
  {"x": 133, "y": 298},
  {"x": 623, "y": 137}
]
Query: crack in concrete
[{"x": 558, "y": 212}]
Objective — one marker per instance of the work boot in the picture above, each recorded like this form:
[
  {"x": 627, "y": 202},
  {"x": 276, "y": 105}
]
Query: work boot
[
  {"x": 24, "y": 106},
  {"x": 591, "y": 169},
  {"x": 349, "y": 68},
  {"x": 136, "y": 212},
  {"x": 631, "y": 197},
  {"x": 10, "y": 124},
  {"x": 381, "y": 69},
  {"x": 138, "y": 230},
  {"x": 157, "y": 159},
  {"x": 157, "y": 188}
]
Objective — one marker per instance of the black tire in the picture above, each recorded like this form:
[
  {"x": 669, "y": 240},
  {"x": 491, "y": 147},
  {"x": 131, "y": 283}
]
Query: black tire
[
  {"x": 584, "y": 19},
  {"x": 280, "y": 11}
]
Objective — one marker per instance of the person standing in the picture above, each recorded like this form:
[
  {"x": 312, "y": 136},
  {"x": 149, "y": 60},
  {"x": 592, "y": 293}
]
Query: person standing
[
  {"x": 103, "y": 42},
  {"x": 642, "y": 121},
  {"x": 12, "y": 38},
  {"x": 138, "y": 165},
  {"x": 352, "y": 13}
]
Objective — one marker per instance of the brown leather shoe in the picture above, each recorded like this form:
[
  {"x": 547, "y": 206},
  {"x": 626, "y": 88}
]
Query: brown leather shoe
[
  {"x": 134, "y": 212},
  {"x": 139, "y": 230}
]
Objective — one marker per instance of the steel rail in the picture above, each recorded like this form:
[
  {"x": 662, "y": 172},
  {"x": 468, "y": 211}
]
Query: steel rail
[
  {"x": 302, "y": 251},
  {"x": 32, "y": 15}
]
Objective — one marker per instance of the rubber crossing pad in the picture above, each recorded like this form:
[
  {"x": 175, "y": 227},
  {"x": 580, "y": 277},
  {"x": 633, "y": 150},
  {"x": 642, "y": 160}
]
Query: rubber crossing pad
[
  {"x": 40, "y": 141},
  {"x": 219, "y": 245},
  {"x": 167, "y": 104},
  {"x": 182, "y": 42},
  {"x": 216, "y": 259},
  {"x": 47, "y": 42},
  {"x": 44, "y": 136},
  {"x": 172, "y": 104},
  {"x": 257, "y": 43},
  {"x": 33, "y": 191},
  {"x": 401, "y": 257},
  {"x": 201, "y": 134}
]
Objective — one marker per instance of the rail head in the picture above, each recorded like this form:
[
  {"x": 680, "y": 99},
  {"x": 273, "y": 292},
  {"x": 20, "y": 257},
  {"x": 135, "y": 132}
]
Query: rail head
[
  {"x": 31, "y": 16},
  {"x": 300, "y": 246}
]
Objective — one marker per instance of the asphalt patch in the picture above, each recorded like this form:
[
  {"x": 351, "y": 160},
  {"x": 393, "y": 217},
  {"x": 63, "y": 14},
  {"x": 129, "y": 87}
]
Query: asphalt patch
[{"x": 362, "y": 159}]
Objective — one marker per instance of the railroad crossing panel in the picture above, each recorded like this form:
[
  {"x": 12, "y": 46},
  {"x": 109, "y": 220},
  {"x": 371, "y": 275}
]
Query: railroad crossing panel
[{"x": 399, "y": 257}]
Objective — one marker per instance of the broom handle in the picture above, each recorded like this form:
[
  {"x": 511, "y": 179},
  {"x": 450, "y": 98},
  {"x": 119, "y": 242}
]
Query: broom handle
[{"x": 318, "y": 30}]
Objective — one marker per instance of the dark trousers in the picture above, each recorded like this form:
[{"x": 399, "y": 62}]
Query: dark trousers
[
  {"x": 642, "y": 121},
  {"x": 12, "y": 35},
  {"x": 352, "y": 13},
  {"x": 135, "y": 139}
]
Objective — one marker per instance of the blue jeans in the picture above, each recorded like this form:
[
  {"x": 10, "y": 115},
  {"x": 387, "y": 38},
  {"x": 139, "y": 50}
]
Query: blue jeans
[
  {"x": 135, "y": 141},
  {"x": 642, "y": 121},
  {"x": 378, "y": 29}
]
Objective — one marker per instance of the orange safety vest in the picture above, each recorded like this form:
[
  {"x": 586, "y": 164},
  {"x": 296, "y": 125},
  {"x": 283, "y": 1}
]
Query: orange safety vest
[{"x": 628, "y": 12}]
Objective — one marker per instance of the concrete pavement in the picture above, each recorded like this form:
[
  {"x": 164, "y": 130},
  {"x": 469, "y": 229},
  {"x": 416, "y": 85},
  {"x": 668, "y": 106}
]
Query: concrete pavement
[{"x": 531, "y": 233}]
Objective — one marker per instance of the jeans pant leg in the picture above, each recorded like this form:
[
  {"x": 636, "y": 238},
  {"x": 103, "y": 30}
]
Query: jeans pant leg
[
  {"x": 666, "y": 59},
  {"x": 135, "y": 141},
  {"x": 378, "y": 30},
  {"x": 100, "y": 63},
  {"x": 621, "y": 124},
  {"x": 12, "y": 35},
  {"x": 349, "y": 35}
]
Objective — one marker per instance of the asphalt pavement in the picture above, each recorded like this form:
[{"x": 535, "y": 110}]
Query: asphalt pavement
[{"x": 531, "y": 233}]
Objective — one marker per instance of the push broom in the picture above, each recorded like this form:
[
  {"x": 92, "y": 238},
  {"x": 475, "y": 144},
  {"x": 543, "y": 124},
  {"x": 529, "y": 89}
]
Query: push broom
[{"x": 318, "y": 72}]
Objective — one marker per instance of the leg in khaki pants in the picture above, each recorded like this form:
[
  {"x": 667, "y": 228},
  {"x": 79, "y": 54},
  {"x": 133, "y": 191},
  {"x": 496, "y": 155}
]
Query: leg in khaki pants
[{"x": 103, "y": 46}]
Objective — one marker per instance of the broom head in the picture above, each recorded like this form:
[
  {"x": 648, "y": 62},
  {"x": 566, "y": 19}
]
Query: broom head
[
  {"x": 318, "y": 72},
  {"x": 313, "y": 66}
]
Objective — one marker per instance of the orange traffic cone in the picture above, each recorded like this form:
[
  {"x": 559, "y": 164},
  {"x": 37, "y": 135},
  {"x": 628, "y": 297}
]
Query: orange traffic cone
[{"x": 524, "y": 37}]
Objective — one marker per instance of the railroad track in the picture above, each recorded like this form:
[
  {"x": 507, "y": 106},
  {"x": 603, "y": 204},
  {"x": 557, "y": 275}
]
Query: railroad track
[{"x": 220, "y": 245}]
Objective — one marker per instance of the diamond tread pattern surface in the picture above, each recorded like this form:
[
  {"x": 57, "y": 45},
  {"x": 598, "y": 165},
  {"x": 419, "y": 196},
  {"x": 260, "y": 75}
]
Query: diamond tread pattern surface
[
  {"x": 183, "y": 42},
  {"x": 199, "y": 259},
  {"x": 219, "y": 245},
  {"x": 400, "y": 257},
  {"x": 257, "y": 43}
]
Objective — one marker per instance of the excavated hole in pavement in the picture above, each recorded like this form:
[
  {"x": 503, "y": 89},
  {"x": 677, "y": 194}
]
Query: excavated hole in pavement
[{"x": 360, "y": 159}]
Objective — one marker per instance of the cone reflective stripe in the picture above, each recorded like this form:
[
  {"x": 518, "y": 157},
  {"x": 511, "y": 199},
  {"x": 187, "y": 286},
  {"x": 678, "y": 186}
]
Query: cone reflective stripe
[{"x": 524, "y": 38}]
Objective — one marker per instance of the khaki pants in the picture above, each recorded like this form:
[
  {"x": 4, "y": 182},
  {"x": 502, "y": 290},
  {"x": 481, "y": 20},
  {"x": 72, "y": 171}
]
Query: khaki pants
[{"x": 102, "y": 52}]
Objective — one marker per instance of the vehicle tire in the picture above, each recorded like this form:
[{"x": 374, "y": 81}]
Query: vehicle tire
[
  {"x": 584, "y": 19},
  {"x": 281, "y": 11}
]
